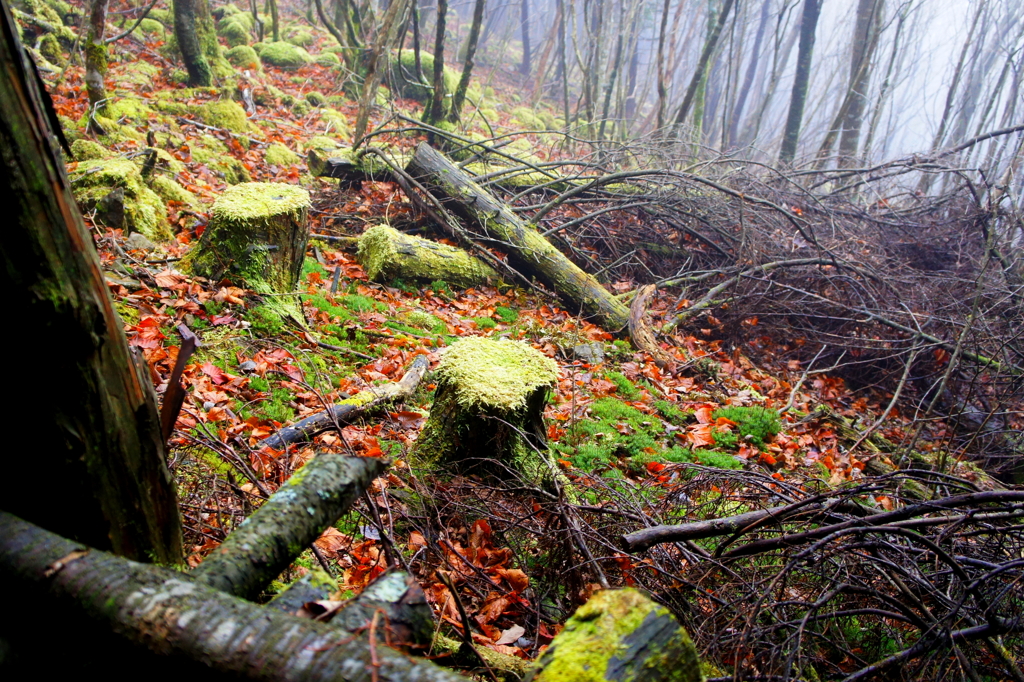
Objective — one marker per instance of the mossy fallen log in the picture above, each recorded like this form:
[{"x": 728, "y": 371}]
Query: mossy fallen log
[
  {"x": 121, "y": 617},
  {"x": 619, "y": 635},
  {"x": 528, "y": 251},
  {"x": 264, "y": 544},
  {"x": 257, "y": 235},
  {"x": 348, "y": 166},
  {"x": 487, "y": 415},
  {"x": 387, "y": 254}
]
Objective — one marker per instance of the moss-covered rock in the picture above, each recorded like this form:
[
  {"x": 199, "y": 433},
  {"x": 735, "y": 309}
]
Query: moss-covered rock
[
  {"x": 87, "y": 150},
  {"x": 257, "y": 234},
  {"x": 300, "y": 37},
  {"x": 128, "y": 110},
  {"x": 284, "y": 55},
  {"x": 387, "y": 254},
  {"x": 144, "y": 211},
  {"x": 227, "y": 115},
  {"x": 169, "y": 190},
  {"x": 133, "y": 75},
  {"x": 487, "y": 412},
  {"x": 316, "y": 99},
  {"x": 51, "y": 50},
  {"x": 619, "y": 636},
  {"x": 234, "y": 32},
  {"x": 335, "y": 123},
  {"x": 152, "y": 28},
  {"x": 328, "y": 59},
  {"x": 277, "y": 154},
  {"x": 243, "y": 57},
  {"x": 402, "y": 76},
  {"x": 164, "y": 16}
]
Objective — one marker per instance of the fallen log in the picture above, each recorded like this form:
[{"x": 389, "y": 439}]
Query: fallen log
[
  {"x": 387, "y": 254},
  {"x": 351, "y": 408},
  {"x": 302, "y": 508},
  {"x": 529, "y": 252},
  {"x": 640, "y": 332},
  {"x": 348, "y": 166},
  {"x": 619, "y": 635},
  {"x": 123, "y": 617}
]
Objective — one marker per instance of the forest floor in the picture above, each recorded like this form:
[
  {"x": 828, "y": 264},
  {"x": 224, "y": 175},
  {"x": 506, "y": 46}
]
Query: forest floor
[{"x": 627, "y": 433}]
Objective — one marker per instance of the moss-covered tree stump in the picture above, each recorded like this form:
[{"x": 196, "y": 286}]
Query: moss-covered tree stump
[
  {"x": 386, "y": 254},
  {"x": 619, "y": 635},
  {"x": 488, "y": 409},
  {"x": 256, "y": 236}
]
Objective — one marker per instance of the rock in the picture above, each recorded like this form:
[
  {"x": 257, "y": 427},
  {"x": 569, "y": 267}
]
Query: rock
[
  {"x": 110, "y": 209},
  {"x": 138, "y": 242},
  {"x": 590, "y": 353},
  {"x": 284, "y": 55}
]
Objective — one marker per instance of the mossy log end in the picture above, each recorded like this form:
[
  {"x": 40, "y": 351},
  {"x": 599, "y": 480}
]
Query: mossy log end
[
  {"x": 619, "y": 635},
  {"x": 119, "y": 617},
  {"x": 349, "y": 167},
  {"x": 265, "y": 543},
  {"x": 386, "y": 254},
  {"x": 257, "y": 234},
  {"x": 529, "y": 252},
  {"x": 488, "y": 409}
]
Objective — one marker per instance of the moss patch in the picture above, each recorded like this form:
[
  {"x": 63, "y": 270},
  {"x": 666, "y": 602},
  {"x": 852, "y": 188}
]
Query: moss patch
[
  {"x": 385, "y": 253},
  {"x": 495, "y": 374},
  {"x": 277, "y": 154},
  {"x": 227, "y": 115},
  {"x": 243, "y": 57},
  {"x": 144, "y": 211},
  {"x": 284, "y": 55}
]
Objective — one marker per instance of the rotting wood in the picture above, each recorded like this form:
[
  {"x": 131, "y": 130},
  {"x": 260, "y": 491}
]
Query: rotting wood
[
  {"x": 387, "y": 254},
  {"x": 136, "y": 617},
  {"x": 640, "y": 332},
  {"x": 356, "y": 406},
  {"x": 495, "y": 225},
  {"x": 266, "y": 543}
]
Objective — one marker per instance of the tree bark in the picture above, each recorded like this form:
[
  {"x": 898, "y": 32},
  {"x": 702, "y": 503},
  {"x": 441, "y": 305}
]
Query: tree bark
[
  {"x": 467, "y": 68},
  {"x": 98, "y": 443},
  {"x": 128, "y": 617},
  {"x": 269, "y": 540},
  {"x": 384, "y": 40},
  {"x": 530, "y": 252},
  {"x": 526, "y": 65},
  {"x": 702, "y": 64},
  {"x": 434, "y": 111},
  {"x": 869, "y": 17},
  {"x": 96, "y": 55},
  {"x": 186, "y": 15},
  {"x": 808, "y": 27}
]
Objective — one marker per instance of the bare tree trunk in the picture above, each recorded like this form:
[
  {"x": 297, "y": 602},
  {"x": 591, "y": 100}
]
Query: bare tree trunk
[
  {"x": 96, "y": 55},
  {"x": 702, "y": 65},
  {"x": 384, "y": 40},
  {"x": 869, "y": 21},
  {"x": 748, "y": 78},
  {"x": 433, "y": 113},
  {"x": 562, "y": 62},
  {"x": 275, "y": 25},
  {"x": 187, "y": 13},
  {"x": 467, "y": 67},
  {"x": 97, "y": 444},
  {"x": 616, "y": 68},
  {"x": 783, "y": 47},
  {"x": 886, "y": 87},
  {"x": 525, "y": 66},
  {"x": 808, "y": 27},
  {"x": 662, "y": 79}
]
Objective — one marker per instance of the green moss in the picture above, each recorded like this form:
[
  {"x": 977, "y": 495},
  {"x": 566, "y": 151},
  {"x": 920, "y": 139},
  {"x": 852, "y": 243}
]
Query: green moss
[
  {"x": 234, "y": 31},
  {"x": 130, "y": 109},
  {"x": 335, "y": 311},
  {"x": 424, "y": 320},
  {"x": 484, "y": 323},
  {"x": 300, "y": 37},
  {"x": 714, "y": 458},
  {"x": 625, "y": 387},
  {"x": 227, "y": 115},
  {"x": 85, "y": 150},
  {"x": 134, "y": 74},
  {"x": 358, "y": 303},
  {"x": 284, "y": 55},
  {"x": 597, "y": 642},
  {"x": 507, "y": 315},
  {"x": 671, "y": 413},
  {"x": 320, "y": 143},
  {"x": 328, "y": 59},
  {"x": 757, "y": 424},
  {"x": 402, "y": 77},
  {"x": 152, "y": 27},
  {"x": 316, "y": 99},
  {"x": 145, "y": 212},
  {"x": 495, "y": 373},
  {"x": 266, "y": 321},
  {"x": 335, "y": 123},
  {"x": 51, "y": 50},
  {"x": 169, "y": 190},
  {"x": 277, "y": 154},
  {"x": 243, "y": 57},
  {"x": 386, "y": 253}
]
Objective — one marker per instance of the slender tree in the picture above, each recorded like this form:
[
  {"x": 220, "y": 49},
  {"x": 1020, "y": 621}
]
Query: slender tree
[
  {"x": 866, "y": 39},
  {"x": 190, "y": 24},
  {"x": 433, "y": 113},
  {"x": 808, "y": 27},
  {"x": 702, "y": 64},
  {"x": 526, "y": 65},
  {"x": 748, "y": 78},
  {"x": 96, "y": 55},
  {"x": 467, "y": 67}
]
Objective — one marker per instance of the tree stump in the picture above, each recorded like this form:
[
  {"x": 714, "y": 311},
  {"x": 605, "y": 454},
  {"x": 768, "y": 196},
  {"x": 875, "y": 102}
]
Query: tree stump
[
  {"x": 257, "y": 235},
  {"x": 619, "y": 635},
  {"x": 487, "y": 416},
  {"x": 385, "y": 253}
]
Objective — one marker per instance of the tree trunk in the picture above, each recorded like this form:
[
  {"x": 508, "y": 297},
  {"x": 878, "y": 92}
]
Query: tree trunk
[
  {"x": 702, "y": 64},
  {"x": 257, "y": 234},
  {"x": 434, "y": 111},
  {"x": 387, "y": 254},
  {"x": 186, "y": 15},
  {"x": 748, "y": 79},
  {"x": 96, "y": 56},
  {"x": 119, "y": 618},
  {"x": 869, "y": 18},
  {"x": 467, "y": 68},
  {"x": 530, "y": 252},
  {"x": 275, "y": 25},
  {"x": 384, "y": 40},
  {"x": 96, "y": 443},
  {"x": 488, "y": 411},
  {"x": 808, "y": 26},
  {"x": 526, "y": 65},
  {"x": 271, "y": 538}
]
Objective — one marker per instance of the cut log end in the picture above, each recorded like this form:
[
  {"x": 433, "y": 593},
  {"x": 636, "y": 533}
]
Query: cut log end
[{"x": 387, "y": 254}]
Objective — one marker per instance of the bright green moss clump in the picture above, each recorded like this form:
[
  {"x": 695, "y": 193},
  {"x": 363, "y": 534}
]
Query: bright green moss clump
[
  {"x": 144, "y": 211},
  {"x": 386, "y": 254},
  {"x": 225, "y": 114},
  {"x": 495, "y": 374},
  {"x": 619, "y": 635},
  {"x": 284, "y": 55},
  {"x": 279, "y": 155},
  {"x": 759, "y": 425},
  {"x": 243, "y": 57}
]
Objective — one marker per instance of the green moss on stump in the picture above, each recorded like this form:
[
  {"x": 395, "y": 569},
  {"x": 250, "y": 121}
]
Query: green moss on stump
[
  {"x": 144, "y": 211},
  {"x": 489, "y": 404},
  {"x": 386, "y": 254},
  {"x": 284, "y": 55},
  {"x": 619, "y": 636},
  {"x": 257, "y": 234}
]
